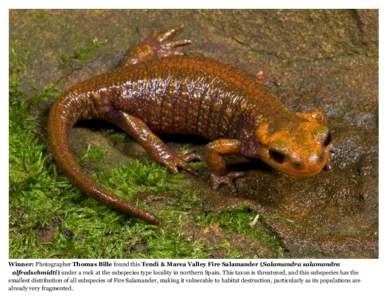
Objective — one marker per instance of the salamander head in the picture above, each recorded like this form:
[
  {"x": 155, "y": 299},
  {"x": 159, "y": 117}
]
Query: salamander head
[{"x": 300, "y": 148}]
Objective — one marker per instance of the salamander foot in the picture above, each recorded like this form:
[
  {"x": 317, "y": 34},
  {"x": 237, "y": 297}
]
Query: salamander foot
[
  {"x": 191, "y": 155},
  {"x": 163, "y": 47},
  {"x": 216, "y": 180},
  {"x": 176, "y": 163},
  {"x": 157, "y": 45}
]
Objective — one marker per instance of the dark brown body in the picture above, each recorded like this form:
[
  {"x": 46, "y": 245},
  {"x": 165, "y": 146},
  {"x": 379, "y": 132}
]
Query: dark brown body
[{"x": 182, "y": 95}]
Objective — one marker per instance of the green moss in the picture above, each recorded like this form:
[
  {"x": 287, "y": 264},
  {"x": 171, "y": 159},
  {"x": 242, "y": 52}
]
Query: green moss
[
  {"x": 49, "y": 92},
  {"x": 17, "y": 65},
  {"x": 40, "y": 14},
  {"x": 82, "y": 54},
  {"x": 128, "y": 180},
  {"x": 287, "y": 63},
  {"x": 115, "y": 136},
  {"x": 92, "y": 154}
]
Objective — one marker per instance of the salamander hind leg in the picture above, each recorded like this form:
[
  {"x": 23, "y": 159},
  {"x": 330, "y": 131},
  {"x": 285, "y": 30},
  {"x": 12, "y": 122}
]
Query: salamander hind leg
[
  {"x": 157, "y": 45},
  {"x": 217, "y": 165},
  {"x": 154, "y": 146}
]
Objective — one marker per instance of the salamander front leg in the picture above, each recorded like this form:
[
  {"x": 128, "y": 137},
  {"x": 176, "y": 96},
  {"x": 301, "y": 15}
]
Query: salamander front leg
[
  {"x": 216, "y": 163},
  {"x": 157, "y": 45},
  {"x": 154, "y": 146}
]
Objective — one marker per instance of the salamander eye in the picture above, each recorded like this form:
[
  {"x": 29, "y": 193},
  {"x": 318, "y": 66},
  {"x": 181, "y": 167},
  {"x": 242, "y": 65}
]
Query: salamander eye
[
  {"x": 327, "y": 140},
  {"x": 277, "y": 156}
]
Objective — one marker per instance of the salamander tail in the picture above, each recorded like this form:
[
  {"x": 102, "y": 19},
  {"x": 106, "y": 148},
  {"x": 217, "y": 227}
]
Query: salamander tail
[{"x": 63, "y": 115}]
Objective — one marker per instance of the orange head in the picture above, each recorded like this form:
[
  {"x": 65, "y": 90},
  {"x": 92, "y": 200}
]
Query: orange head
[{"x": 300, "y": 148}]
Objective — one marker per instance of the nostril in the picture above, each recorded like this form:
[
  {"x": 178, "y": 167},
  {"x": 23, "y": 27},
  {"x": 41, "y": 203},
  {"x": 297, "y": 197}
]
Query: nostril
[
  {"x": 277, "y": 156},
  {"x": 297, "y": 165}
]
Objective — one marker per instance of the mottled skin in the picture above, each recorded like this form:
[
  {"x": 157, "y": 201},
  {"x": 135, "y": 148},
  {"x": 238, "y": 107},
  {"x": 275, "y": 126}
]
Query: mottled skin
[{"x": 157, "y": 89}]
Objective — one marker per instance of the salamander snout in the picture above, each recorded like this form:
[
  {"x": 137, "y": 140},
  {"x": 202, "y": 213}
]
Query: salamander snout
[
  {"x": 302, "y": 149},
  {"x": 297, "y": 163}
]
